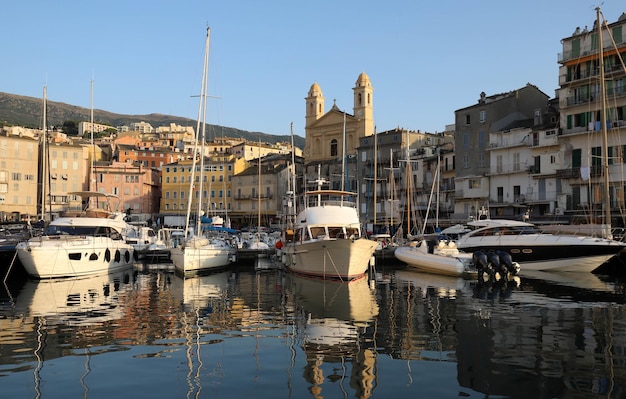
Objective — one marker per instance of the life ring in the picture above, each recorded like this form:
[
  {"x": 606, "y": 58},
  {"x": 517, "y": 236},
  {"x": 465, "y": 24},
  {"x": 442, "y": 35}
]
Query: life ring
[
  {"x": 118, "y": 256},
  {"x": 127, "y": 256},
  {"x": 107, "y": 255},
  {"x": 279, "y": 244}
]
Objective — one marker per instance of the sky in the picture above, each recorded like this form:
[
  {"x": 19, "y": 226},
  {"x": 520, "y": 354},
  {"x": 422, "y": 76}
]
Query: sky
[{"x": 425, "y": 59}]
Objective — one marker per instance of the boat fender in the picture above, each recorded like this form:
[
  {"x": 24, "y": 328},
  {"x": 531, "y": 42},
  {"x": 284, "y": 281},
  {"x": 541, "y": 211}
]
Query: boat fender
[
  {"x": 127, "y": 256},
  {"x": 118, "y": 256},
  {"x": 107, "y": 255},
  {"x": 135, "y": 256}
]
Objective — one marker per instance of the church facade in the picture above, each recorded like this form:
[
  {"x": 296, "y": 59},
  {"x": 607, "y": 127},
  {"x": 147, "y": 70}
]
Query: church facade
[{"x": 332, "y": 136}]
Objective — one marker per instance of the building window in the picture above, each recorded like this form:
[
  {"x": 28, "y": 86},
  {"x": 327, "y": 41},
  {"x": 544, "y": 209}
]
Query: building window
[
  {"x": 333, "y": 148},
  {"x": 474, "y": 183},
  {"x": 483, "y": 116},
  {"x": 482, "y": 160},
  {"x": 516, "y": 161},
  {"x": 482, "y": 139},
  {"x": 467, "y": 119}
]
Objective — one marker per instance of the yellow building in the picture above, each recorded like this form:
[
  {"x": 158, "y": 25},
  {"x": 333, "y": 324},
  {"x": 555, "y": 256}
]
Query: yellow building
[
  {"x": 259, "y": 193},
  {"x": 68, "y": 166},
  {"x": 216, "y": 195},
  {"x": 19, "y": 165}
]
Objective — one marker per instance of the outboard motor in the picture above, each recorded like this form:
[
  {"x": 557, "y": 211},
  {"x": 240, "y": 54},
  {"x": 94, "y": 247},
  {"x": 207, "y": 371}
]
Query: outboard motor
[
  {"x": 507, "y": 261},
  {"x": 497, "y": 266},
  {"x": 482, "y": 264}
]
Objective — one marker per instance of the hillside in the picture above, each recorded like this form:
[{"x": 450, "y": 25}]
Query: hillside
[{"x": 25, "y": 111}]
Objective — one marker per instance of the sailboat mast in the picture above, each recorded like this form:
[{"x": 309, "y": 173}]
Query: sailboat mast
[
  {"x": 375, "y": 177},
  {"x": 258, "y": 226},
  {"x": 293, "y": 174},
  {"x": 408, "y": 183},
  {"x": 392, "y": 188},
  {"x": 343, "y": 154},
  {"x": 44, "y": 154},
  {"x": 203, "y": 110},
  {"x": 603, "y": 122}
]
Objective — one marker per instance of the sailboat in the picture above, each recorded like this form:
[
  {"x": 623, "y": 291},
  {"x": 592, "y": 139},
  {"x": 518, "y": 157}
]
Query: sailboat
[{"x": 199, "y": 253}]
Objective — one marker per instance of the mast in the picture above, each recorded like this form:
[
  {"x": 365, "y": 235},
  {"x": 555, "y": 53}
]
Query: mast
[
  {"x": 375, "y": 177},
  {"x": 291, "y": 201},
  {"x": 203, "y": 107},
  {"x": 201, "y": 119},
  {"x": 603, "y": 121},
  {"x": 408, "y": 184},
  {"x": 44, "y": 154},
  {"x": 343, "y": 154},
  {"x": 258, "y": 226},
  {"x": 93, "y": 147}
]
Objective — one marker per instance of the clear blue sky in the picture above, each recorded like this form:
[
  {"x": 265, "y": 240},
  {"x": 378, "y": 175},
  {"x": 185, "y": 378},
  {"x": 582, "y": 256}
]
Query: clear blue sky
[{"x": 425, "y": 59}]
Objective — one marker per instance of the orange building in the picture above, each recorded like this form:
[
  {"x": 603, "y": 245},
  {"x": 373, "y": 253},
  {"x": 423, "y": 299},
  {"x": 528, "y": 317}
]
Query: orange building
[{"x": 137, "y": 186}]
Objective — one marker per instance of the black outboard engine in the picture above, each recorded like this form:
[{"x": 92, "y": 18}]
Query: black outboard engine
[
  {"x": 482, "y": 264},
  {"x": 507, "y": 261},
  {"x": 497, "y": 266}
]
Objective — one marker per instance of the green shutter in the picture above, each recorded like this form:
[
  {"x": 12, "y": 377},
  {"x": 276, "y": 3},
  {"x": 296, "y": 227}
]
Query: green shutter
[
  {"x": 569, "y": 121},
  {"x": 576, "y": 158},
  {"x": 617, "y": 34}
]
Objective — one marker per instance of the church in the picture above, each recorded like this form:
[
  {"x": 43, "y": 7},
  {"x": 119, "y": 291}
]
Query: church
[{"x": 328, "y": 133}]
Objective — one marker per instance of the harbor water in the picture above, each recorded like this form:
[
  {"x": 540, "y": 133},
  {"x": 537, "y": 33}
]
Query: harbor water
[{"x": 251, "y": 332}]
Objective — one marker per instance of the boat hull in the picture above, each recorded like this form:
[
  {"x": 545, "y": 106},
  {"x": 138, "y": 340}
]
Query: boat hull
[
  {"x": 343, "y": 259},
  {"x": 571, "y": 254},
  {"x": 56, "y": 257},
  {"x": 415, "y": 257},
  {"x": 189, "y": 260}
]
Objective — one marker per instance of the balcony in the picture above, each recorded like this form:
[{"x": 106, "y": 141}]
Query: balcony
[
  {"x": 243, "y": 197},
  {"x": 574, "y": 173}
]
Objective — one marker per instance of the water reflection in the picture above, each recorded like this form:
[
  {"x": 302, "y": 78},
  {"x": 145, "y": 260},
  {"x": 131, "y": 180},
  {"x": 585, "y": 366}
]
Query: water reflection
[
  {"x": 271, "y": 334},
  {"x": 332, "y": 327},
  {"x": 204, "y": 307},
  {"x": 51, "y": 319}
]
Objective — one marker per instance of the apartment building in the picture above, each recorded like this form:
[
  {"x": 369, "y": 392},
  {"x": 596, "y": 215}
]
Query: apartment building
[
  {"x": 215, "y": 196},
  {"x": 258, "y": 192},
  {"x": 68, "y": 167},
  {"x": 473, "y": 125},
  {"x": 582, "y": 168},
  {"x": 19, "y": 169}
]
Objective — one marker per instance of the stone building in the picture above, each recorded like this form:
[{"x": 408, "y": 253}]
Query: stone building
[{"x": 329, "y": 135}]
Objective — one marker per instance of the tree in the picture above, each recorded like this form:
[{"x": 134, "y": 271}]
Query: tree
[{"x": 70, "y": 128}]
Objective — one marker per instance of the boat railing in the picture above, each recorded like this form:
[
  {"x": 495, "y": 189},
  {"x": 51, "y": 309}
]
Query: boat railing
[{"x": 332, "y": 202}]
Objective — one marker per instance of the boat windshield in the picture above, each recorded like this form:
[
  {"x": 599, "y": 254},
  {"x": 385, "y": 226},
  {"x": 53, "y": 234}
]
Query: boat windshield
[
  {"x": 94, "y": 231},
  {"x": 506, "y": 231}
]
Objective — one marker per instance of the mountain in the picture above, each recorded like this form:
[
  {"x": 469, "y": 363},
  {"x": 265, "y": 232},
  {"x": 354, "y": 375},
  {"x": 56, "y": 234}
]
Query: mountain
[{"x": 25, "y": 111}]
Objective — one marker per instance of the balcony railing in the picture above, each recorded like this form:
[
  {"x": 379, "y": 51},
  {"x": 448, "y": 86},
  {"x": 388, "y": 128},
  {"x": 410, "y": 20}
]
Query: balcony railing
[
  {"x": 253, "y": 196},
  {"x": 574, "y": 173}
]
